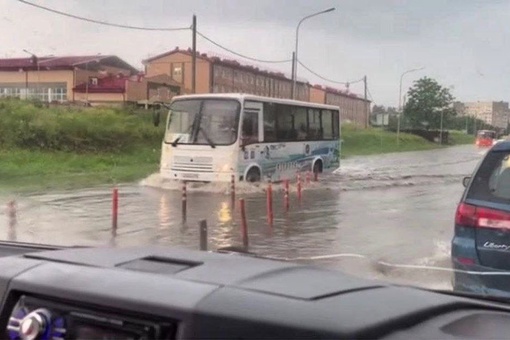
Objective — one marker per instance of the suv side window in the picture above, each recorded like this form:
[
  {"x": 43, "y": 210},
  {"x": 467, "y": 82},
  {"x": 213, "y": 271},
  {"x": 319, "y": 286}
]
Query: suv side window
[{"x": 492, "y": 180}]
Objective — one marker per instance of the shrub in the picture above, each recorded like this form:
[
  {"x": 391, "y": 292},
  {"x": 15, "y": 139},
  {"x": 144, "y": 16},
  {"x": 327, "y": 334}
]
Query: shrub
[{"x": 30, "y": 126}]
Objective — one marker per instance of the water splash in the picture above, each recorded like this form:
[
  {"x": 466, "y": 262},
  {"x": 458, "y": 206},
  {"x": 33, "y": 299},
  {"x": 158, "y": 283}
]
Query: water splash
[
  {"x": 441, "y": 255},
  {"x": 242, "y": 188}
]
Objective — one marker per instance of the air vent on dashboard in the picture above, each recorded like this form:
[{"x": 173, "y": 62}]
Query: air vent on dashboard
[{"x": 158, "y": 265}]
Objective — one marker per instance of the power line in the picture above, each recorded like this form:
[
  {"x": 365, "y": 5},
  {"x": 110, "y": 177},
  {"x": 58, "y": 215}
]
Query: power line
[
  {"x": 329, "y": 80},
  {"x": 242, "y": 55},
  {"x": 104, "y": 22},
  {"x": 182, "y": 29}
]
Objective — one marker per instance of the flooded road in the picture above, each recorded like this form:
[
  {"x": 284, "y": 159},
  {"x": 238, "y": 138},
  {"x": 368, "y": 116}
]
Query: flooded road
[{"x": 393, "y": 208}]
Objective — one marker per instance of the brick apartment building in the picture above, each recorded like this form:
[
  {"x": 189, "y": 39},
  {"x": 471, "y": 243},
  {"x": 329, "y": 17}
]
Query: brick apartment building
[{"x": 215, "y": 75}]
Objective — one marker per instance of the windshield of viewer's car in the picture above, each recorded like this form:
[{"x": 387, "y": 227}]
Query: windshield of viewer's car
[{"x": 352, "y": 130}]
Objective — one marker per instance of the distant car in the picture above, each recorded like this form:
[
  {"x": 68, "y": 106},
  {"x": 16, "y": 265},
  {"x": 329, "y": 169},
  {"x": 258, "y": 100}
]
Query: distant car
[
  {"x": 485, "y": 138},
  {"x": 481, "y": 241}
]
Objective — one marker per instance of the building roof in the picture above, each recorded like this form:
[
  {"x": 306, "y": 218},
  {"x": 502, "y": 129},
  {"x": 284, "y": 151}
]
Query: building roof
[
  {"x": 164, "y": 79},
  {"x": 249, "y": 68},
  {"x": 218, "y": 61},
  {"x": 175, "y": 50},
  {"x": 104, "y": 85},
  {"x": 64, "y": 63}
]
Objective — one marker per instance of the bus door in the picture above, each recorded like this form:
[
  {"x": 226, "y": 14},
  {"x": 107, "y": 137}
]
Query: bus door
[{"x": 251, "y": 132}]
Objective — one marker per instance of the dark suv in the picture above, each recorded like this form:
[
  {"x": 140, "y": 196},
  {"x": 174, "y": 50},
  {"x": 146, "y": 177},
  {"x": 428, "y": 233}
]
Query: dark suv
[{"x": 481, "y": 243}]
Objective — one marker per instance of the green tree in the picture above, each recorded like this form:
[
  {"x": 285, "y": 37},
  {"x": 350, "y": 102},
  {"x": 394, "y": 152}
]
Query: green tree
[{"x": 427, "y": 101}]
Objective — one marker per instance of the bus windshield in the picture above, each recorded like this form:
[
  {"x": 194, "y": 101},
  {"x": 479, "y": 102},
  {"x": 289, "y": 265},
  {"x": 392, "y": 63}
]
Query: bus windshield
[{"x": 203, "y": 121}]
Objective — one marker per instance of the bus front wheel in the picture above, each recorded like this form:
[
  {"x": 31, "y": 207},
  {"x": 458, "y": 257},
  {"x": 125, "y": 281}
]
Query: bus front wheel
[
  {"x": 317, "y": 167},
  {"x": 253, "y": 175}
]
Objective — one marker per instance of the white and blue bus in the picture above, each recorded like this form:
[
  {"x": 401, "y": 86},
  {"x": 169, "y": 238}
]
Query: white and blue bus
[{"x": 211, "y": 137}]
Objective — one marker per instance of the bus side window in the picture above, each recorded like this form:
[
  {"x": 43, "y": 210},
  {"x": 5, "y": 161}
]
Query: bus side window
[
  {"x": 314, "y": 124},
  {"x": 285, "y": 118},
  {"x": 250, "y": 127},
  {"x": 269, "y": 122},
  {"x": 327, "y": 124},
  {"x": 336, "y": 124},
  {"x": 300, "y": 122}
]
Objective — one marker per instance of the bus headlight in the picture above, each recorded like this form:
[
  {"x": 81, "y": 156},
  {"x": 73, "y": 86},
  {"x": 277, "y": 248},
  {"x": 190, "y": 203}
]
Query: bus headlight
[{"x": 225, "y": 168}]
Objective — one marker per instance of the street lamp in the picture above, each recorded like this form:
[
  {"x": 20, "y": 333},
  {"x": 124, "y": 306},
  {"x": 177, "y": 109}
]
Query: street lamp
[
  {"x": 436, "y": 110},
  {"x": 400, "y": 100},
  {"x": 295, "y": 61},
  {"x": 34, "y": 57}
]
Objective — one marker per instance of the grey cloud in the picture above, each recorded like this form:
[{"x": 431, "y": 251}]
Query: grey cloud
[{"x": 361, "y": 19}]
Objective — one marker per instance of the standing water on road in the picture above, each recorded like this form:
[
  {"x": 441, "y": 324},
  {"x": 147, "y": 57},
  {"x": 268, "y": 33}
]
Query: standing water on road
[{"x": 392, "y": 208}]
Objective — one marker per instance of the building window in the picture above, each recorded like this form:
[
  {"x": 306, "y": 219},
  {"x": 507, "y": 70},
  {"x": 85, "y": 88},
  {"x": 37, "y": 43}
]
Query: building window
[
  {"x": 58, "y": 94},
  {"x": 10, "y": 92},
  {"x": 177, "y": 72},
  {"x": 43, "y": 92}
]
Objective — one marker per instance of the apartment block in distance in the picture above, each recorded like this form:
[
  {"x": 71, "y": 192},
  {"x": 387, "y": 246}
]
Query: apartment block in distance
[
  {"x": 493, "y": 113},
  {"x": 216, "y": 75}
]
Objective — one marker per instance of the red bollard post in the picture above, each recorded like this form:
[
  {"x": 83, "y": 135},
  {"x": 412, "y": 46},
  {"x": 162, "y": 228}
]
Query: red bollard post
[
  {"x": 286, "y": 195},
  {"x": 316, "y": 176},
  {"x": 233, "y": 190},
  {"x": 299, "y": 187},
  {"x": 244, "y": 224},
  {"x": 184, "y": 201},
  {"x": 269, "y": 204},
  {"x": 115, "y": 209}
]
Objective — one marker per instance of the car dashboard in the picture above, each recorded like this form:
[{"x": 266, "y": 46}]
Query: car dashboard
[{"x": 171, "y": 293}]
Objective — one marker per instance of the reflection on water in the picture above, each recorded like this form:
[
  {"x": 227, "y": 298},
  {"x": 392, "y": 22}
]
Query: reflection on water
[
  {"x": 164, "y": 213},
  {"x": 396, "y": 208},
  {"x": 224, "y": 214},
  {"x": 222, "y": 235}
]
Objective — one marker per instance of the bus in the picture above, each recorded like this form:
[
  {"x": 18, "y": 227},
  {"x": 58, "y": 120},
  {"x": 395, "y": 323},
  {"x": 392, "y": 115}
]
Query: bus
[
  {"x": 210, "y": 137},
  {"x": 485, "y": 138}
]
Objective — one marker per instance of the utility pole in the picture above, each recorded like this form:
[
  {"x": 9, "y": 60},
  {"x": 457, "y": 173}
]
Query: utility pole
[
  {"x": 366, "y": 102},
  {"x": 194, "y": 56},
  {"x": 441, "y": 132},
  {"x": 293, "y": 74},
  {"x": 87, "y": 84},
  {"x": 35, "y": 60}
]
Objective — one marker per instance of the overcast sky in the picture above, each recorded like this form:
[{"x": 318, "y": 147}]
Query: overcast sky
[{"x": 461, "y": 43}]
